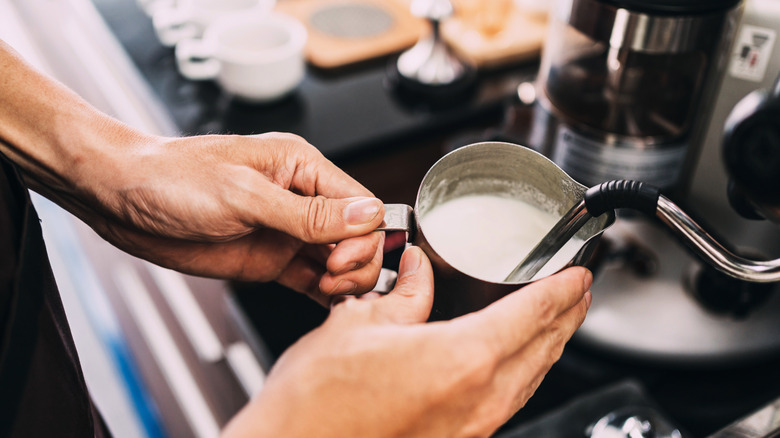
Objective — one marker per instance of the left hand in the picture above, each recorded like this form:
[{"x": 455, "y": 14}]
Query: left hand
[
  {"x": 258, "y": 208},
  {"x": 264, "y": 207}
]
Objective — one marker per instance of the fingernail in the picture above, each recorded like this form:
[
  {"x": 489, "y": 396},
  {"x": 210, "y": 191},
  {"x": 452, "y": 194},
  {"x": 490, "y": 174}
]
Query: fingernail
[
  {"x": 410, "y": 262},
  {"x": 343, "y": 287},
  {"x": 588, "y": 280},
  {"x": 362, "y": 211},
  {"x": 588, "y": 298}
]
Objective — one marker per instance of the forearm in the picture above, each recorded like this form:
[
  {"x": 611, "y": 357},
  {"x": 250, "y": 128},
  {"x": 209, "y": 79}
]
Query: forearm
[{"x": 57, "y": 139}]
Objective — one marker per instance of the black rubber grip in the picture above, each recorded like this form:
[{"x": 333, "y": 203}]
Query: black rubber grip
[{"x": 611, "y": 195}]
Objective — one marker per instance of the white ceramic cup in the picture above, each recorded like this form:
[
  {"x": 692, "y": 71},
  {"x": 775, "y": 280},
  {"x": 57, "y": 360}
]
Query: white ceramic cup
[
  {"x": 257, "y": 58},
  {"x": 184, "y": 19}
]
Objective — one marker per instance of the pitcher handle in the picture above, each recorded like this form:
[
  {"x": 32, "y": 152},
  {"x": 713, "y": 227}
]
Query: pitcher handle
[{"x": 398, "y": 217}]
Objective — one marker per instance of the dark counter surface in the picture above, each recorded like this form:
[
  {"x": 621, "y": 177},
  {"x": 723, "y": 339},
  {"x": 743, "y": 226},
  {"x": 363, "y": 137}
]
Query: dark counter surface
[{"x": 344, "y": 112}]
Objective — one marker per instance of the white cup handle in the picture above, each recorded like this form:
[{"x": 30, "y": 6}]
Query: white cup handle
[
  {"x": 196, "y": 61},
  {"x": 173, "y": 25}
]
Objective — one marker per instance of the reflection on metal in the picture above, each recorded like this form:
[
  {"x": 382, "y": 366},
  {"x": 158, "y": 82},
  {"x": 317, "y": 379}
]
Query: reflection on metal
[
  {"x": 398, "y": 217},
  {"x": 553, "y": 241},
  {"x": 654, "y": 317},
  {"x": 386, "y": 281},
  {"x": 242, "y": 361},
  {"x": 703, "y": 244},
  {"x": 764, "y": 423},
  {"x": 431, "y": 62},
  {"x": 166, "y": 354},
  {"x": 188, "y": 313}
]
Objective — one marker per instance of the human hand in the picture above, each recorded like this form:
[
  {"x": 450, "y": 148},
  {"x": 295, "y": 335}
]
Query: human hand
[
  {"x": 260, "y": 208},
  {"x": 376, "y": 369}
]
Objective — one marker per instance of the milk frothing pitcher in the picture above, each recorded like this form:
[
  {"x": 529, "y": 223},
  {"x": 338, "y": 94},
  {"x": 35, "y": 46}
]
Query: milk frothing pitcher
[{"x": 495, "y": 169}]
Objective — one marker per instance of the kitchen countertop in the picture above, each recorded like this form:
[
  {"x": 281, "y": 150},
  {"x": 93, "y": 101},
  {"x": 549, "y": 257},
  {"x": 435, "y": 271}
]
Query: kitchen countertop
[
  {"x": 344, "y": 112},
  {"x": 351, "y": 115}
]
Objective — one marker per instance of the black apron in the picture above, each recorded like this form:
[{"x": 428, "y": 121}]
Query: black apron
[{"x": 42, "y": 389}]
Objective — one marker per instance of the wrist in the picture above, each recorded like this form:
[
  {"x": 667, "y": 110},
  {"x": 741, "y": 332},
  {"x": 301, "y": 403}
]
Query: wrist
[
  {"x": 57, "y": 139},
  {"x": 98, "y": 154}
]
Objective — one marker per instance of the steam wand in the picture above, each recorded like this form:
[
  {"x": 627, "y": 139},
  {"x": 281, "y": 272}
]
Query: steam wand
[{"x": 647, "y": 199}]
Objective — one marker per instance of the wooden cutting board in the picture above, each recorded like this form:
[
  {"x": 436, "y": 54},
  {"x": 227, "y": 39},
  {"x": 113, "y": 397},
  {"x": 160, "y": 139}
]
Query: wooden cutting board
[
  {"x": 343, "y": 32},
  {"x": 521, "y": 38}
]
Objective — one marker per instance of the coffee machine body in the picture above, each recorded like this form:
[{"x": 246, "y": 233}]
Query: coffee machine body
[
  {"x": 628, "y": 92},
  {"x": 624, "y": 86}
]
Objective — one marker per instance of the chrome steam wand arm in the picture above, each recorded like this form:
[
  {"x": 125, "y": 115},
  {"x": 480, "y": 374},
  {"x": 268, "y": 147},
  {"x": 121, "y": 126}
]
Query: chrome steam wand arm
[
  {"x": 706, "y": 247},
  {"x": 647, "y": 199}
]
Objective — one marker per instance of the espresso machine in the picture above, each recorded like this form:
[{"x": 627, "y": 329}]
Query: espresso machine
[{"x": 641, "y": 90}]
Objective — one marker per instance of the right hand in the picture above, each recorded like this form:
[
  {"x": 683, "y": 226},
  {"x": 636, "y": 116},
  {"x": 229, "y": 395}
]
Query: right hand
[{"x": 375, "y": 368}]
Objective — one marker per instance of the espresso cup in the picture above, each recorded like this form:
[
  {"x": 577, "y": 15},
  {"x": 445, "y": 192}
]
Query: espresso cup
[
  {"x": 177, "y": 20},
  {"x": 257, "y": 58}
]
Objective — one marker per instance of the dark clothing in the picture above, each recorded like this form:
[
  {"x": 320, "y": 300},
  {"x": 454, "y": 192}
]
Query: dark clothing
[{"x": 42, "y": 389}]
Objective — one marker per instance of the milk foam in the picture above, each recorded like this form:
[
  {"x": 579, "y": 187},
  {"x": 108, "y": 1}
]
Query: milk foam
[{"x": 486, "y": 236}]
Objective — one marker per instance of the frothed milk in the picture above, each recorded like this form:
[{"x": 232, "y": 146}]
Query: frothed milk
[{"x": 486, "y": 236}]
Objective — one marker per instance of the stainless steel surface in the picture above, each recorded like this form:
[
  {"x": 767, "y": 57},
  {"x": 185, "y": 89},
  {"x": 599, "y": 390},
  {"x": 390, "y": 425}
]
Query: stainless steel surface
[
  {"x": 627, "y": 427},
  {"x": 683, "y": 226},
  {"x": 764, "y": 423},
  {"x": 744, "y": 74},
  {"x": 713, "y": 252},
  {"x": 623, "y": 95},
  {"x": 630, "y": 423},
  {"x": 165, "y": 352},
  {"x": 637, "y": 31},
  {"x": 430, "y": 61},
  {"x": 432, "y": 9},
  {"x": 552, "y": 242},
  {"x": 653, "y": 316},
  {"x": 386, "y": 281},
  {"x": 398, "y": 217}
]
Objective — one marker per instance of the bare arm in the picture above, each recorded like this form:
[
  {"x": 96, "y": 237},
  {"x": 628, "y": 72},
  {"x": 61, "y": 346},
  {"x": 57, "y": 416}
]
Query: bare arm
[{"x": 267, "y": 207}]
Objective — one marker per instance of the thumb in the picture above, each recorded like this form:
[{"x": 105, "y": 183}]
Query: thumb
[
  {"x": 412, "y": 298},
  {"x": 317, "y": 219}
]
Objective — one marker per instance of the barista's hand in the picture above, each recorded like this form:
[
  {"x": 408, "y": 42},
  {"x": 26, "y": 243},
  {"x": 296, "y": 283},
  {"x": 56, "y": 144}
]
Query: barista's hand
[
  {"x": 267, "y": 207},
  {"x": 264, "y": 207},
  {"x": 376, "y": 369}
]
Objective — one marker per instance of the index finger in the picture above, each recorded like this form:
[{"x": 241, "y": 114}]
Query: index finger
[
  {"x": 335, "y": 183},
  {"x": 330, "y": 180},
  {"x": 516, "y": 319}
]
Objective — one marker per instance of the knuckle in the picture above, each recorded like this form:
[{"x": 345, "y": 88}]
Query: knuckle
[
  {"x": 545, "y": 308},
  {"x": 317, "y": 217}
]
